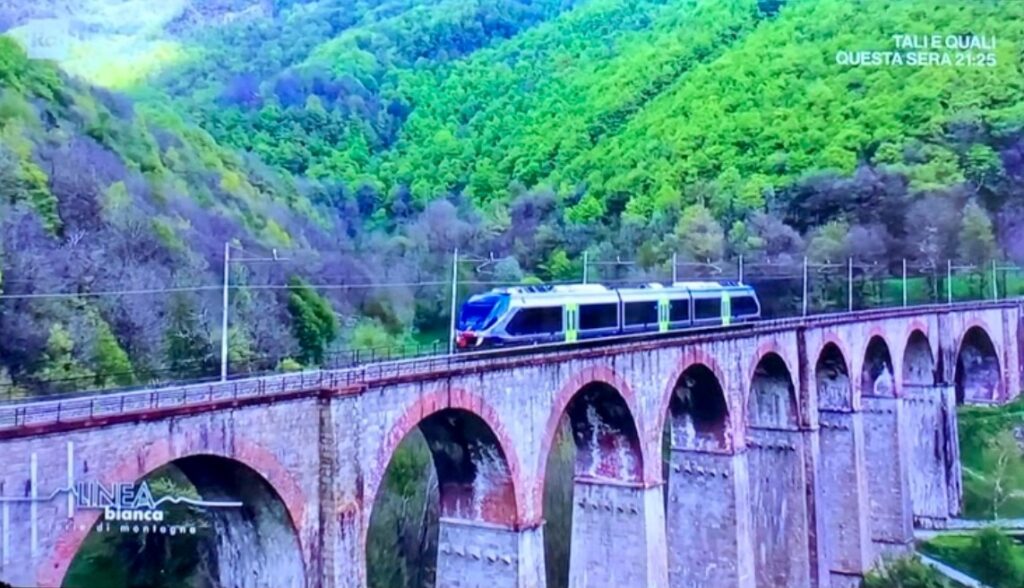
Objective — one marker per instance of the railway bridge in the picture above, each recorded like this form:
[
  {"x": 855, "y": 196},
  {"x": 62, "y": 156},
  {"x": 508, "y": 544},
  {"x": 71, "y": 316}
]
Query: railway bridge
[{"x": 798, "y": 451}]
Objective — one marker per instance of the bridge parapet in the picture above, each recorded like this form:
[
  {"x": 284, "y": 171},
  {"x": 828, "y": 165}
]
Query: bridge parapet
[{"x": 857, "y": 411}]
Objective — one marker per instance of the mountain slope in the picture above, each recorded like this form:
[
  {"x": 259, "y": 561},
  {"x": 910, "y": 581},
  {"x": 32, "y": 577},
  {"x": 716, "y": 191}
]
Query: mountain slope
[{"x": 98, "y": 198}]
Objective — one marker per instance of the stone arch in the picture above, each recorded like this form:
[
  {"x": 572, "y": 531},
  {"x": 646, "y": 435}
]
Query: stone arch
[
  {"x": 475, "y": 461},
  {"x": 606, "y": 435},
  {"x": 698, "y": 414},
  {"x": 591, "y": 376},
  {"x": 876, "y": 378},
  {"x": 978, "y": 375},
  {"x": 256, "y": 543},
  {"x": 918, "y": 361},
  {"x": 832, "y": 379},
  {"x": 772, "y": 400}
]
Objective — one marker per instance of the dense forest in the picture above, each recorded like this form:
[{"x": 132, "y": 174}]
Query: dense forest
[
  {"x": 385, "y": 134},
  {"x": 366, "y": 141}
]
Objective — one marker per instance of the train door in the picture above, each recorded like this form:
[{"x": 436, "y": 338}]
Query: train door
[
  {"x": 663, "y": 315},
  {"x": 571, "y": 322},
  {"x": 726, "y": 308}
]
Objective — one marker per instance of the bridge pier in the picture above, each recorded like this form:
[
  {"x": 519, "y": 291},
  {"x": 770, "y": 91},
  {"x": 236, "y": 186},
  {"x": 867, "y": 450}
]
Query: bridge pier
[
  {"x": 618, "y": 535},
  {"x": 778, "y": 485},
  {"x": 473, "y": 554},
  {"x": 931, "y": 409},
  {"x": 891, "y": 510},
  {"x": 845, "y": 496},
  {"x": 710, "y": 541}
]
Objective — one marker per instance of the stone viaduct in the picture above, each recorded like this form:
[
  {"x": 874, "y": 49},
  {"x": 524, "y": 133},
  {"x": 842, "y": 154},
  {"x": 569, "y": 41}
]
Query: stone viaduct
[{"x": 798, "y": 451}]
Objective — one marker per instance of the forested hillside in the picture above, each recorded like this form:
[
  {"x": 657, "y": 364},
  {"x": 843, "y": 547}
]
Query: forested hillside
[{"x": 366, "y": 140}]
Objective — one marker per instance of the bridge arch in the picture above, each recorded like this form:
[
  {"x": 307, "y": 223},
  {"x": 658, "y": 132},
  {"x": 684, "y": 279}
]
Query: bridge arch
[
  {"x": 876, "y": 377},
  {"x": 698, "y": 413},
  {"x": 832, "y": 379},
  {"x": 772, "y": 401},
  {"x": 259, "y": 541},
  {"x": 478, "y": 471},
  {"x": 619, "y": 400},
  {"x": 918, "y": 360},
  {"x": 978, "y": 375}
]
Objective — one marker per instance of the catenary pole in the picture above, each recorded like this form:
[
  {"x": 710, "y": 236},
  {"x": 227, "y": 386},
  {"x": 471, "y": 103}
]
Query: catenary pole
[
  {"x": 455, "y": 294},
  {"x": 224, "y": 315},
  {"x": 904, "y": 282},
  {"x": 949, "y": 281},
  {"x": 805, "y": 286},
  {"x": 849, "y": 284},
  {"x": 995, "y": 286},
  {"x": 675, "y": 268},
  {"x": 585, "y": 265}
]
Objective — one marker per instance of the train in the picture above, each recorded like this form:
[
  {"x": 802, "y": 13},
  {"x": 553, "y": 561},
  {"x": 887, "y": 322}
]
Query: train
[{"x": 538, "y": 314}]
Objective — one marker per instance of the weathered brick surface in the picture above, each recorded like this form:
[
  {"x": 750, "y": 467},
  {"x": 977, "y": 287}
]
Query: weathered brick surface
[
  {"x": 816, "y": 504},
  {"x": 844, "y": 492},
  {"x": 474, "y": 555},
  {"x": 928, "y": 485},
  {"x": 618, "y": 536},
  {"x": 887, "y": 473},
  {"x": 709, "y": 520},
  {"x": 778, "y": 508}
]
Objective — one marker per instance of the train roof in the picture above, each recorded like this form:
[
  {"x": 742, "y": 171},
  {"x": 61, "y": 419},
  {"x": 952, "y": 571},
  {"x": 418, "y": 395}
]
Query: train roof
[{"x": 599, "y": 291}]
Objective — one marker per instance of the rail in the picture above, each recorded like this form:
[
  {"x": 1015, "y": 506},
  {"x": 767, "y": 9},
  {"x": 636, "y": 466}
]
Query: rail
[{"x": 84, "y": 407}]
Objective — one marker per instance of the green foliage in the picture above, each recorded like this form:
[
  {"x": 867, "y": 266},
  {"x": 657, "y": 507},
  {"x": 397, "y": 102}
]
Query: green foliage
[
  {"x": 187, "y": 349},
  {"x": 59, "y": 362},
  {"x": 289, "y": 365},
  {"x": 908, "y": 572},
  {"x": 112, "y": 364},
  {"x": 992, "y": 460},
  {"x": 370, "y": 333},
  {"x": 997, "y": 560},
  {"x": 977, "y": 241},
  {"x": 701, "y": 237},
  {"x": 560, "y": 268},
  {"x": 314, "y": 323},
  {"x": 990, "y": 556},
  {"x": 402, "y": 539}
]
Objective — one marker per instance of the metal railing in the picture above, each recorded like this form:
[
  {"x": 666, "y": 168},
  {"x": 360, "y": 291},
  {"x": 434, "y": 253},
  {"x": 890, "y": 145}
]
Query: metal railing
[{"x": 80, "y": 408}]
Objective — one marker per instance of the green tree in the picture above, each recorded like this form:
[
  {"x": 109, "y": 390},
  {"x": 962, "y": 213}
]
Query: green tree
[
  {"x": 560, "y": 268},
  {"x": 314, "y": 323},
  {"x": 700, "y": 235},
  {"x": 187, "y": 350},
  {"x": 908, "y": 572},
  {"x": 111, "y": 361},
  {"x": 977, "y": 240},
  {"x": 828, "y": 245},
  {"x": 995, "y": 561},
  {"x": 61, "y": 371}
]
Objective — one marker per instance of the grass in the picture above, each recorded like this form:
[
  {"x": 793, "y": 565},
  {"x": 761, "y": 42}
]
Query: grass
[{"x": 993, "y": 460}]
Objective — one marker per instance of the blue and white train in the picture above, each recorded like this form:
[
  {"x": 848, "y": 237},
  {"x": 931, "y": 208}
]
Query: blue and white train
[{"x": 529, "y": 315}]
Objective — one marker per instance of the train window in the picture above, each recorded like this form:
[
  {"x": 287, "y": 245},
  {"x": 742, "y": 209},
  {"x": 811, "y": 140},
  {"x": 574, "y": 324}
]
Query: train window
[
  {"x": 532, "y": 321},
  {"x": 641, "y": 313},
  {"x": 599, "y": 316},
  {"x": 744, "y": 306},
  {"x": 483, "y": 314},
  {"x": 679, "y": 311},
  {"x": 707, "y": 308}
]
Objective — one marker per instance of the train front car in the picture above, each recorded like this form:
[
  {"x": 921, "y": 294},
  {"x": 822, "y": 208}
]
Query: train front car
[{"x": 476, "y": 319}]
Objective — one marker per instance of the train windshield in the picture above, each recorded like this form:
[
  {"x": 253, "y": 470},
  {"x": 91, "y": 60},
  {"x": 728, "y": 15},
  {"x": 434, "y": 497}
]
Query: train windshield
[{"x": 481, "y": 314}]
